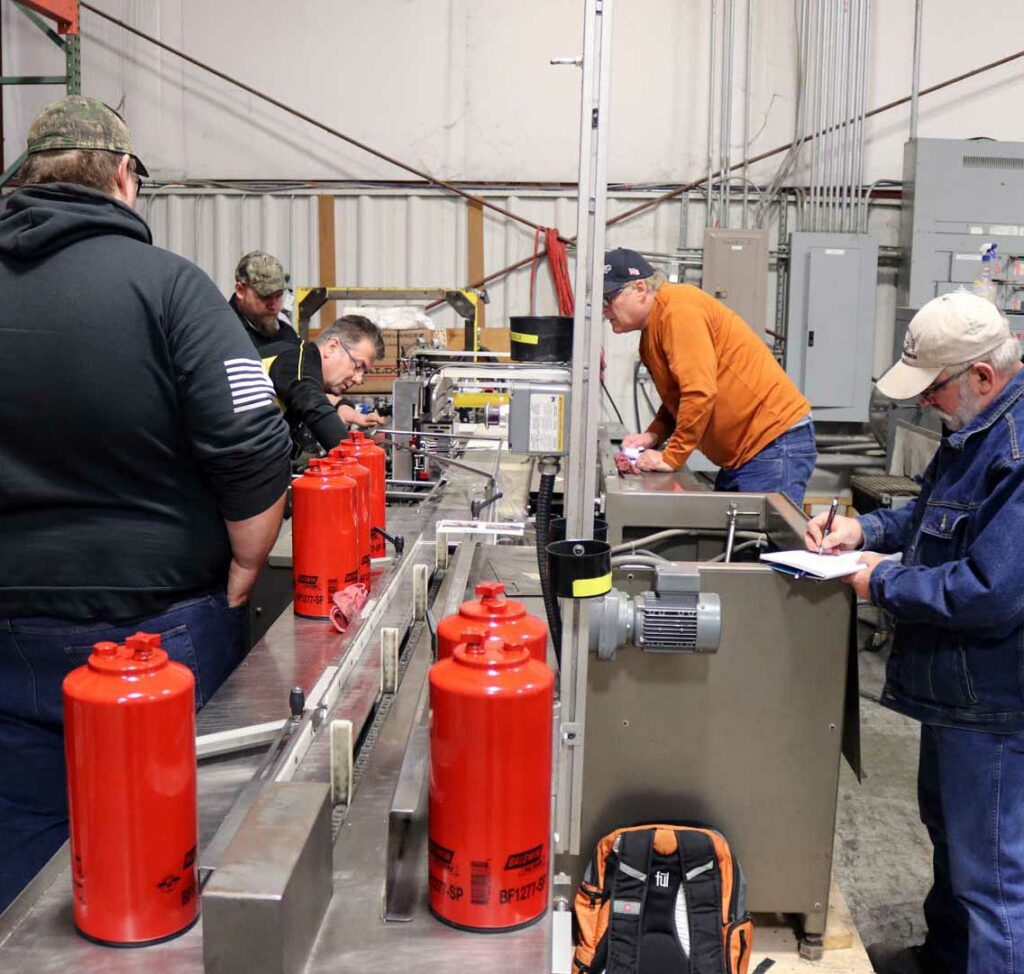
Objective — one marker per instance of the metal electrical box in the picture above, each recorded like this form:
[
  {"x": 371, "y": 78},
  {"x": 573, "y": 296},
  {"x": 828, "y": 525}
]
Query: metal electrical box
[
  {"x": 736, "y": 273},
  {"x": 959, "y": 194},
  {"x": 830, "y": 336},
  {"x": 538, "y": 418}
]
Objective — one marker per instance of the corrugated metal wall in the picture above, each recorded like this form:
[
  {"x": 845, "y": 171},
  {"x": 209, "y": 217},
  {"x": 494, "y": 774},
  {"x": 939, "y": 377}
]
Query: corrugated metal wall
[
  {"x": 393, "y": 237},
  {"x": 386, "y": 237},
  {"x": 403, "y": 238}
]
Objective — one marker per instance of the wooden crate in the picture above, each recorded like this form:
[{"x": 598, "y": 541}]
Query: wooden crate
[
  {"x": 396, "y": 344},
  {"x": 819, "y": 503}
]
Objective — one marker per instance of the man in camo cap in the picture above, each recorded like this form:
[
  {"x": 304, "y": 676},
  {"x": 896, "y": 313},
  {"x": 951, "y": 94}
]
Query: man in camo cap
[
  {"x": 260, "y": 283},
  {"x": 159, "y": 487},
  {"x": 80, "y": 122}
]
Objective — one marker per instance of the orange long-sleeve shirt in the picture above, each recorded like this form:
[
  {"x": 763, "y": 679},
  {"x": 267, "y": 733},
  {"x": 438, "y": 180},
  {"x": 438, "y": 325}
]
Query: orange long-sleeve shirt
[{"x": 721, "y": 390}]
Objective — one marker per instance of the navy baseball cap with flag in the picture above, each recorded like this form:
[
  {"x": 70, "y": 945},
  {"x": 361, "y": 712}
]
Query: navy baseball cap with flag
[{"x": 622, "y": 267}]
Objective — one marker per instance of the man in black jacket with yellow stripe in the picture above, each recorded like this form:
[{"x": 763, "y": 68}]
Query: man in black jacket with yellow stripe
[{"x": 303, "y": 374}]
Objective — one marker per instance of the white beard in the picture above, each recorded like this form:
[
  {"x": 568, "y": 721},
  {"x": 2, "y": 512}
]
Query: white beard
[{"x": 970, "y": 406}]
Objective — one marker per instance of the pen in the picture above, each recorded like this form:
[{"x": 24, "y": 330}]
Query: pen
[{"x": 832, "y": 508}]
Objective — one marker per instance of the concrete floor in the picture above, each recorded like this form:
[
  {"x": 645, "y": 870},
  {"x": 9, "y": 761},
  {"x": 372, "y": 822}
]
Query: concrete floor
[{"x": 882, "y": 852}]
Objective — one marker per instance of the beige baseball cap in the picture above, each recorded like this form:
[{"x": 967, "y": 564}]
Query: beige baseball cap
[{"x": 949, "y": 330}]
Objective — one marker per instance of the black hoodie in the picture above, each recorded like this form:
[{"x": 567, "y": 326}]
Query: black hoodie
[{"x": 133, "y": 418}]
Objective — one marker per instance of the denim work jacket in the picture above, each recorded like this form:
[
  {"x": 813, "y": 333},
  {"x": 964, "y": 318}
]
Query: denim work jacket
[{"x": 958, "y": 596}]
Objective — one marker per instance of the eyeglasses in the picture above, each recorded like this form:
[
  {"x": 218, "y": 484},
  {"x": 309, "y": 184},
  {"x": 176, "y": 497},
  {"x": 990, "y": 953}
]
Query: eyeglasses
[
  {"x": 360, "y": 367},
  {"x": 936, "y": 387},
  {"x": 609, "y": 299},
  {"x": 138, "y": 179}
]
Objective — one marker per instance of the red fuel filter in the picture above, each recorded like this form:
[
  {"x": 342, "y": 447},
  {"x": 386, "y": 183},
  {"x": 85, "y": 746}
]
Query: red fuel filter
[
  {"x": 129, "y": 742},
  {"x": 490, "y": 785},
  {"x": 362, "y": 448},
  {"x": 497, "y": 616},
  {"x": 325, "y": 554},
  {"x": 351, "y": 467}
]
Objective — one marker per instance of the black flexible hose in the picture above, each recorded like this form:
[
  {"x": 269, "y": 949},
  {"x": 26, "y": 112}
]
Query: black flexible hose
[
  {"x": 545, "y": 492},
  {"x": 650, "y": 405},
  {"x": 611, "y": 402}
]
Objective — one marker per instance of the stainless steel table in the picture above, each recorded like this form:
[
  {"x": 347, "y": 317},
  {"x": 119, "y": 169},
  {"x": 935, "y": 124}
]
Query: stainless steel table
[{"x": 37, "y": 934}]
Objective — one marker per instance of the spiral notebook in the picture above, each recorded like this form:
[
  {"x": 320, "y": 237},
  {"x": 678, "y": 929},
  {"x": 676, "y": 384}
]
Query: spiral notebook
[{"x": 804, "y": 563}]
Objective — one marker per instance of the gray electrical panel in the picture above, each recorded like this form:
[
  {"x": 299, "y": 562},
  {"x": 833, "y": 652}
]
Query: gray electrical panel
[
  {"x": 736, "y": 272},
  {"x": 957, "y": 196},
  {"x": 830, "y": 335},
  {"x": 538, "y": 418}
]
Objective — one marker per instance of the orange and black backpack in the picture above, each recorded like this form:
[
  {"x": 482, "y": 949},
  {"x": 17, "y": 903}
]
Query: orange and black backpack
[{"x": 662, "y": 899}]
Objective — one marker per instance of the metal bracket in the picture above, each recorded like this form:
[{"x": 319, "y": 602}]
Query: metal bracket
[
  {"x": 561, "y": 923},
  {"x": 341, "y": 762},
  {"x": 420, "y": 590},
  {"x": 307, "y": 303},
  {"x": 388, "y": 660},
  {"x": 561, "y": 937},
  {"x": 463, "y": 304},
  {"x": 442, "y": 552},
  {"x": 477, "y": 507},
  {"x": 572, "y": 735}
]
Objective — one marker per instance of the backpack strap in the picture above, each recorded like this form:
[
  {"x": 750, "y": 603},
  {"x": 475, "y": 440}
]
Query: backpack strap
[
  {"x": 702, "y": 887},
  {"x": 628, "y": 890}
]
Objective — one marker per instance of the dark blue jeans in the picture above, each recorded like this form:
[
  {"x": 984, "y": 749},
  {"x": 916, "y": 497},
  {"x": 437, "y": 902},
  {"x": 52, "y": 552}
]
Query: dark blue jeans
[
  {"x": 35, "y": 656},
  {"x": 971, "y": 796},
  {"x": 783, "y": 466}
]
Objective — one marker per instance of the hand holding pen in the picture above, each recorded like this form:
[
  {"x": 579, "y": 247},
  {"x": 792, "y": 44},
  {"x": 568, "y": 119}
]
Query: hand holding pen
[
  {"x": 832, "y": 508},
  {"x": 845, "y": 531}
]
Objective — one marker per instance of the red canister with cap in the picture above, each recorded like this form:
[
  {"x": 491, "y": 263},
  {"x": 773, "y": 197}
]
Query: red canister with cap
[
  {"x": 325, "y": 546},
  {"x": 371, "y": 456},
  {"x": 129, "y": 743},
  {"x": 490, "y": 785},
  {"x": 498, "y": 615},
  {"x": 351, "y": 467}
]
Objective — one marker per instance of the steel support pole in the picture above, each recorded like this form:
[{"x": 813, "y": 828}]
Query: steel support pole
[
  {"x": 708, "y": 216},
  {"x": 73, "y": 57},
  {"x": 748, "y": 59},
  {"x": 728, "y": 43},
  {"x": 581, "y": 462},
  {"x": 916, "y": 79}
]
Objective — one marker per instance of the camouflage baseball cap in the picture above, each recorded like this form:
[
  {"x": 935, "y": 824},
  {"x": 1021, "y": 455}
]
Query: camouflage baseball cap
[
  {"x": 263, "y": 273},
  {"x": 79, "y": 122}
]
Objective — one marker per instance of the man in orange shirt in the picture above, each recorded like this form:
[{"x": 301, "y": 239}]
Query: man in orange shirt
[{"x": 721, "y": 390}]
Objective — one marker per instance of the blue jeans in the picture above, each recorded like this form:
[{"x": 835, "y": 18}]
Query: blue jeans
[
  {"x": 971, "y": 796},
  {"x": 35, "y": 656},
  {"x": 783, "y": 466}
]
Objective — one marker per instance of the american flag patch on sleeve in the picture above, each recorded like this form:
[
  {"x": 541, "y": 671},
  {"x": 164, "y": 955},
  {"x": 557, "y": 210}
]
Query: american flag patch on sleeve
[{"x": 250, "y": 386}]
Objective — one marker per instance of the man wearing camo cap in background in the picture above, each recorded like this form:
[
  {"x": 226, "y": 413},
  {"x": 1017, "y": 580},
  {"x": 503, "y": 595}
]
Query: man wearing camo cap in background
[
  {"x": 260, "y": 283},
  {"x": 143, "y": 481}
]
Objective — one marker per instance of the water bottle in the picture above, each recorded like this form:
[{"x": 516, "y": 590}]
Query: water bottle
[{"x": 984, "y": 286}]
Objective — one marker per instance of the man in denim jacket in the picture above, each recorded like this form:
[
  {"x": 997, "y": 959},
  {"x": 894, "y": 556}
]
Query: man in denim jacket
[{"x": 957, "y": 663}]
